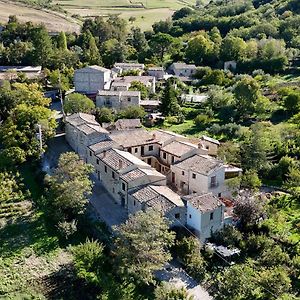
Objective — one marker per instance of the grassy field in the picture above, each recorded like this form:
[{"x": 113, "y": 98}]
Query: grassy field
[
  {"x": 53, "y": 21},
  {"x": 146, "y": 11}
]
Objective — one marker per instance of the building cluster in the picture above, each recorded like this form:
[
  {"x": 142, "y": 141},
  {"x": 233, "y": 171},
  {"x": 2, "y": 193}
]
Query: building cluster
[
  {"x": 112, "y": 88},
  {"x": 156, "y": 169}
]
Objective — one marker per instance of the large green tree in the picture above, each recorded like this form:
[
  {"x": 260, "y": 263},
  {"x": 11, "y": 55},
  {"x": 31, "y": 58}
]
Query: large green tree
[
  {"x": 75, "y": 103},
  {"x": 69, "y": 188},
  {"x": 142, "y": 245}
]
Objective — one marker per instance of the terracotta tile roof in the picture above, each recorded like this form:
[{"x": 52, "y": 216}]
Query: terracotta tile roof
[
  {"x": 123, "y": 124},
  {"x": 183, "y": 66},
  {"x": 204, "y": 202},
  {"x": 202, "y": 164},
  {"x": 93, "y": 68},
  {"x": 178, "y": 148},
  {"x": 209, "y": 139},
  {"x": 133, "y": 175},
  {"x": 115, "y": 160},
  {"x": 159, "y": 197},
  {"x": 102, "y": 145},
  {"x": 135, "y": 137},
  {"x": 81, "y": 118},
  {"x": 144, "y": 194}
]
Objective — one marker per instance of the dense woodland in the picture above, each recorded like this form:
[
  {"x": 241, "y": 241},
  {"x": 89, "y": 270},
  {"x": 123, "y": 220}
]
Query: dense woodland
[{"x": 253, "y": 110}]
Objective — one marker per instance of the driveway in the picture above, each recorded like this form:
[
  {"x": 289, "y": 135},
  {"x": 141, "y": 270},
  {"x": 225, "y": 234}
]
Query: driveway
[
  {"x": 105, "y": 206},
  {"x": 175, "y": 275}
]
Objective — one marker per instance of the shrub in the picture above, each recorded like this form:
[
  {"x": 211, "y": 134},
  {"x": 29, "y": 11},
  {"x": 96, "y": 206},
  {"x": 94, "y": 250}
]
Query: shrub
[{"x": 202, "y": 120}]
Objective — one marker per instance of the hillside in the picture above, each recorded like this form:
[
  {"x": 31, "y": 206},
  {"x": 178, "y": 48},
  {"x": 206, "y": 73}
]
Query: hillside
[{"x": 52, "y": 20}]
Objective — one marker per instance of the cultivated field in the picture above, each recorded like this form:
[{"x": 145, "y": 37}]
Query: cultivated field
[
  {"x": 146, "y": 11},
  {"x": 52, "y": 20}
]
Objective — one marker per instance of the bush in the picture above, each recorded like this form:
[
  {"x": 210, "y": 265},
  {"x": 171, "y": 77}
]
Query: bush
[
  {"x": 132, "y": 112},
  {"x": 202, "y": 120}
]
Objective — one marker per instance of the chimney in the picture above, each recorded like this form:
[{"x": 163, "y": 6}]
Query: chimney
[
  {"x": 153, "y": 136},
  {"x": 120, "y": 164},
  {"x": 104, "y": 153}
]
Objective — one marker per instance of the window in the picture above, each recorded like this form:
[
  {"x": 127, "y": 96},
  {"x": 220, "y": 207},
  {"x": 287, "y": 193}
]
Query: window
[
  {"x": 136, "y": 150},
  {"x": 220, "y": 195},
  {"x": 190, "y": 216},
  {"x": 194, "y": 176},
  {"x": 151, "y": 148},
  {"x": 113, "y": 190},
  {"x": 105, "y": 169},
  {"x": 207, "y": 147},
  {"x": 173, "y": 159},
  {"x": 211, "y": 216},
  {"x": 123, "y": 186},
  {"x": 113, "y": 174},
  {"x": 164, "y": 155},
  {"x": 91, "y": 153},
  {"x": 213, "y": 181},
  {"x": 129, "y": 99},
  {"x": 134, "y": 203},
  {"x": 97, "y": 161},
  {"x": 129, "y": 150},
  {"x": 182, "y": 173},
  {"x": 149, "y": 161},
  {"x": 177, "y": 216}
]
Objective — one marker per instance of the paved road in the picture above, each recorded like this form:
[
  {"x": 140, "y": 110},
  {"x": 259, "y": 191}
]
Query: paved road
[
  {"x": 175, "y": 275},
  {"x": 106, "y": 208}
]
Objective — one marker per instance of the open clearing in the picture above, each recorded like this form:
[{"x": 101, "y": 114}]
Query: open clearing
[
  {"x": 146, "y": 11},
  {"x": 52, "y": 20}
]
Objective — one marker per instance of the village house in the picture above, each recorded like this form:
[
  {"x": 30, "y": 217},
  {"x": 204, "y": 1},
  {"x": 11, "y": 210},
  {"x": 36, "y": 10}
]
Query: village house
[
  {"x": 157, "y": 72},
  {"x": 121, "y": 83},
  {"x": 11, "y": 72},
  {"x": 83, "y": 130},
  {"x": 200, "y": 173},
  {"x": 91, "y": 79},
  {"x": 118, "y": 99},
  {"x": 120, "y": 171},
  {"x": 210, "y": 144},
  {"x": 182, "y": 69},
  {"x": 124, "y": 67},
  {"x": 204, "y": 214},
  {"x": 161, "y": 198}
]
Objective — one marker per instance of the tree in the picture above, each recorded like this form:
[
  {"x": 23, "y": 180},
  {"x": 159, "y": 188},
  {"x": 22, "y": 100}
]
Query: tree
[
  {"x": 42, "y": 46},
  {"x": 91, "y": 51},
  {"x": 104, "y": 115},
  {"x": 292, "y": 102},
  {"x": 132, "y": 112},
  {"x": 233, "y": 48},
  {"x": 249, "y": 209},
  {"x": 169, "y": 101},
  {"x": 69, "y": 187},
  {"x": 62, "y": 41},
  {"x": 88, "y": 261},
  {"x": 250, "y": 180},
  {"x": 188, "y": 251},
  {"x": 199, "y": 49},
  {"x": 166, "y": 291},
  {"x": 75, "y": 103},
  {"x": 246, "y": 92},
  {"x": 20, "y": 129},
  {"x": 139, "y": 86},
  {"x": 142, "y": 244},
  {"x": 160, "y": 44},
  {"x": 132, "y": 19}
]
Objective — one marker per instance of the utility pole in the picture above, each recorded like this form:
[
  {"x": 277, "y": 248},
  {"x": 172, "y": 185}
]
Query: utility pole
[
  {"x": 39, "y": 135},
  {"x": 61, "y": 99}
]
